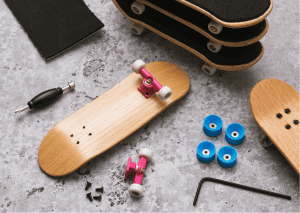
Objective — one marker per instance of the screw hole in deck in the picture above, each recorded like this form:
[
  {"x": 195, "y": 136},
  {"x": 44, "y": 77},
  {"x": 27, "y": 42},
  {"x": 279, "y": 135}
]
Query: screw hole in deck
[
  {"x": 296, "y": 122},
  {"x": 287, "y": 111},
  {"x": 83, "y": 127},
  {"x": 279, "y": 115},
  {"x": 287, "y": 126},
  {"x": 90, "y": 134},
  {"x": 71, "y": 135},
  {"x": 77, "y": 142}
]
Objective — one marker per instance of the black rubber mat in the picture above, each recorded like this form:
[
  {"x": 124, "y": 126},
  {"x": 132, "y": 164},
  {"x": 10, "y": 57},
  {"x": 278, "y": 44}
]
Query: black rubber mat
[
  {"x": 227, "y": 56},
  {"x": 234, "y": 10},
  {"x": 202, "y": 21},
  {"x": 54, "y": 25}
]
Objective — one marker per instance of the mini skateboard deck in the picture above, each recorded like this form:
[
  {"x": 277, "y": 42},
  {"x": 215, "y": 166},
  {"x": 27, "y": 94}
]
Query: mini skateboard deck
[
  {"x": 275, "y": 107},
  {"x": 109, "y": 119},
  {"x": 228, "y": 58},
  {"x": 231, "y": 37},
  {"x": 233, "y": 13}
]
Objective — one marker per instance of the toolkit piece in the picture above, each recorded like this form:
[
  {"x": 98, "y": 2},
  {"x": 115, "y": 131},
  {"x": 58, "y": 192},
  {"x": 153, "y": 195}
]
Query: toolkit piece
[
  {"x": 212, "y": 125},
  {"x": 55, "y": 25},
  {"x": 227, "y": 156},
  {"x": 235, "y": 134},
  {"x": 88, "y": 185},
  {"x": 261, "y": 191},
  {"x": 46, "y": 97},
  {"x": 206, "y": 152},
  {"x": 136, "y": 189},
  {"x": 150, "y": 84}
]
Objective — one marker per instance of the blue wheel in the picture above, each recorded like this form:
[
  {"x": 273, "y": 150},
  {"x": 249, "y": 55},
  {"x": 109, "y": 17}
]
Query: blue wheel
[
  {"x": 235, "y": 134},
  {"x": 227, "y": 156},
  {"x": 206, "y": 152},
  {"x": 212, "y": 125}
]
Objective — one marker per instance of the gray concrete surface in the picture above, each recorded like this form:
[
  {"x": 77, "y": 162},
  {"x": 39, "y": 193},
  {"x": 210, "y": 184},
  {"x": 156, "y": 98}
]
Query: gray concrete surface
[{"x": 171, "y": 179}]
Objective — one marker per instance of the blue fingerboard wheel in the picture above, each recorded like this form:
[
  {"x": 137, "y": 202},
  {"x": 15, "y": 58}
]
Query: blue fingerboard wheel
[
  {"x": 235, "y": 134},
  {"x": 227, "y": 156},
  {"x": 206, "y": 152},
  {"x": 212, "y": 125}
]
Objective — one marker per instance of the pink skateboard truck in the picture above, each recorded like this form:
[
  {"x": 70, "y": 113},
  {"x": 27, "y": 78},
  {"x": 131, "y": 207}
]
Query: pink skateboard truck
[
  {"x": 150, "y": 84},
  {"x": 136, "y": 189}
]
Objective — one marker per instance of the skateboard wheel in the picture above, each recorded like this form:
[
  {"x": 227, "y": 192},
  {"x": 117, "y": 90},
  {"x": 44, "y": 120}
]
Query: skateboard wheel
[
  {"x": 214, "y": 27},
  {"x": 138, "y": 8},
  {"x": 208, "y": 70},
  {"x": 138, "y": 65},
  {"x": 227, "y": 156},
  {"x": 212, "y": 125},
  {"x": 235, "y": 134},
  {"x": 206, "y": 152},
  {"x": 164, "y": 93},
  {"x": 136, "y": 190},
  {"x": 147, "y": 153},
  {"x": 214, "y": 47},
  {"x": 265, "y": 141},
  {"x": 136, "y": 29}
]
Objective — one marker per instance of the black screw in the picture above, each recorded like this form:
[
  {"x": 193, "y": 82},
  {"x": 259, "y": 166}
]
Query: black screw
[
  {"x": 288, "y": 126},
  {"x": 88, "y": 185},
  {"x": 89, "y": 196},
  {"x": 279, "y": 115},
  {"x": 98, "y": 198},
  {"x": 296, "y": 122},
  {"x": 287, "y": 111},
  {"x": 100, "y": 189}
]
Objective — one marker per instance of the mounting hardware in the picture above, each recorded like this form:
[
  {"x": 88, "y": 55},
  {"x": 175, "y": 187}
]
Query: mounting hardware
[
  {"x": 99, "y": 198},
  {"x": 88, "y": 185},
  {"x": 237, "y": 186},
  {"x": 46, "y": 97},
  {"x": 89, "y": 196},
  {"x": 100, "y": 189}
]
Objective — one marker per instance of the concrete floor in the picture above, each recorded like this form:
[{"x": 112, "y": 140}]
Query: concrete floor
[{"x": 171, "y": 178}]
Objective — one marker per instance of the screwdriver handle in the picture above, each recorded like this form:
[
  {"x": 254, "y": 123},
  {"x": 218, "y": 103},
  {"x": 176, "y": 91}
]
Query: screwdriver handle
[{"x": 45, "y": 98}]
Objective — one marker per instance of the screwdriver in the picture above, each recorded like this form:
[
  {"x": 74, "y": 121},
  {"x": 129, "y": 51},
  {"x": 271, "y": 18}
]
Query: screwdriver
[{"x": 46, "y": 97}]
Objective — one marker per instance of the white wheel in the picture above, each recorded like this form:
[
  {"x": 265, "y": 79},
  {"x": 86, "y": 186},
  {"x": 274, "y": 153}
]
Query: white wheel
[
  {"x": 208, "y": 70},
  {"x": 136, "y": 29},
  {"x": 136, "y": 190},
  {"x": 138, "y": 65},
  {"x": 214, "y": 47},
  {"x": 138, "y": 8},
  {"x": 215, "y": 27},
  {"x": 164, "y": 93},
  {"x": 147, "y": 153},
  {"x": 265, "y": 141}
]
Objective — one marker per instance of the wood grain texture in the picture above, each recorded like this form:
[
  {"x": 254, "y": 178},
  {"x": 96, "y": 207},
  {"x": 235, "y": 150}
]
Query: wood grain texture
[
  {"x": 198, "y": 54},
  {"x": 207, "y": 35},
  {"x": 268, "y": 98},
  {"x": 229, "y": 24},
  {"x": 110, "y": 118}
]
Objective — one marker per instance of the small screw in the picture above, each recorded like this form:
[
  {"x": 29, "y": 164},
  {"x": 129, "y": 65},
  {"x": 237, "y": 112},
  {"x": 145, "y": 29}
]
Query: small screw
[
  {"x": 98, "y": 198},
  {"x": 89, "y": 196},
  {"x": 287, "y": 111},
  {"x": 296, "y": 122},
  {"x": 288, "y": 126},
  {"x": 88, "y": 185},
  {"x": 100, "y": 189},
  {"x": 279, "y": 115}
]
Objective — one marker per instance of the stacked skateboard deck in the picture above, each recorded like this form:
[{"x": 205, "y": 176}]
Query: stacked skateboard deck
[{"x": 224, "y": 34}]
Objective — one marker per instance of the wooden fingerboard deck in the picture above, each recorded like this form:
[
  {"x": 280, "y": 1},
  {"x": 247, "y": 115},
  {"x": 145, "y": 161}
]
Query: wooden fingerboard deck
[
  {"x": 108, "y": 119},
  {"x": 275, "y": 107}
]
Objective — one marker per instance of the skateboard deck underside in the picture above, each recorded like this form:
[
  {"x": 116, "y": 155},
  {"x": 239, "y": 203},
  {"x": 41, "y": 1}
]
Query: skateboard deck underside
[
  {"x": 233, "y": 13},
  {"x": 270, "y": 97},
  {"x": 199, "y": 22},
  {"x": 108, "y": 120},
  {"x": 229, "y": 58}
]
